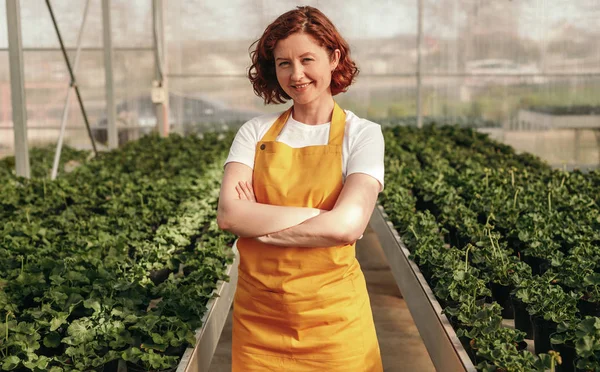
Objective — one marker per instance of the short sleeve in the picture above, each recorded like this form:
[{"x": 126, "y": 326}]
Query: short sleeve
[
  {"x": 243, "y": 147},
  {"x": 367, "y": 153}
]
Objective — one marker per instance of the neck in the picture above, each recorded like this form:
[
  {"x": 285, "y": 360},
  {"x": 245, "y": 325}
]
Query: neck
[{"x": 314, "y": 113}]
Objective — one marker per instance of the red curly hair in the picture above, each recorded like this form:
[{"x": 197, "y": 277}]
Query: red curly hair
[{"x": 307, "y": 20}]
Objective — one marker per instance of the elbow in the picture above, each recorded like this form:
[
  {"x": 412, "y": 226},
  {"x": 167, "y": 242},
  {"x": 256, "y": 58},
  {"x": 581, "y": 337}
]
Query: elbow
[
  {"x": 349, "y": 227},
  {"x": 222, "y": 220},
  {"x": 222, "y": 223},
  {"x": 348, "y": 235}
]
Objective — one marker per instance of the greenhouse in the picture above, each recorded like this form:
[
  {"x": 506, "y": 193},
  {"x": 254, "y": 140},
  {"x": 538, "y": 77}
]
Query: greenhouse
[{"x": 261, "y": 185}]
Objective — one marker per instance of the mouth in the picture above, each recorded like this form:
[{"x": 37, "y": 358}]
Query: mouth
[{"x": 301, "y": 86}]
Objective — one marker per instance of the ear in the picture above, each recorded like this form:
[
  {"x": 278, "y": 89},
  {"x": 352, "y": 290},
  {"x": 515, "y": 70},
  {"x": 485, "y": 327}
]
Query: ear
[{"x": 335, "y": 59}]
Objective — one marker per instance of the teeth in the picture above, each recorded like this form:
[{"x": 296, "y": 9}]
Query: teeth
[{"x": 302, "y": 86}]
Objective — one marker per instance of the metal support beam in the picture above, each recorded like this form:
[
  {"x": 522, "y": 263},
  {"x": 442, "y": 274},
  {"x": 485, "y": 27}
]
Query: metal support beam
[
  {"x": 17, "y": 87},
  {"x": 111, "y": 113},
  {"x": 72, "y": 76},
  {"x": 63, "y": 123},
  {"x": 160, "y": 89},
  {"x": 419, "y": 64}
]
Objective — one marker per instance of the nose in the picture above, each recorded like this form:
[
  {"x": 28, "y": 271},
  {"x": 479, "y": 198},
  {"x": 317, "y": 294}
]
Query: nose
[{"x": 297, "y": 72}]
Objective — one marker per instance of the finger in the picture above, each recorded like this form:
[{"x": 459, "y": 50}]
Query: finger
[
  {"x": 242, "y": 189},
  {"x": 241, "y": 192},
  {"x": 250, "y": 191},
  {"x": 246, "y": 191}
]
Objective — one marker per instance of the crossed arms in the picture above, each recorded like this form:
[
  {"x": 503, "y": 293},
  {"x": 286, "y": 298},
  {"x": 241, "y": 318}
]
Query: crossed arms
[{"x": 239, "y": 213}]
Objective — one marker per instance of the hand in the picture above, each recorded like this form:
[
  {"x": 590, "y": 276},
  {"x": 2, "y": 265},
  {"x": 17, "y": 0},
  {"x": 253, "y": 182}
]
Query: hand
[
  {"x": 263, "y": 239},
  {"x": 245, "y": 191}
]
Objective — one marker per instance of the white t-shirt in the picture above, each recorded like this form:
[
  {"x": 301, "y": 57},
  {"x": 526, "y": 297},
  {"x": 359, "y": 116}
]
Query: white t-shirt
[{"x": 362, "y": 148}]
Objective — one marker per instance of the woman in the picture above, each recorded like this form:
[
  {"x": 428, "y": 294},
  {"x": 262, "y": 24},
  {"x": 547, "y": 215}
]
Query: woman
[{"x": 299, "y": 188}]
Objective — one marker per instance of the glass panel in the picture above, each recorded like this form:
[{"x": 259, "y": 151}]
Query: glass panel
[
  {"x": 490, "y": 63},
  {"x": 485, "y": 64},
  {"x": 214, "y": 37}
]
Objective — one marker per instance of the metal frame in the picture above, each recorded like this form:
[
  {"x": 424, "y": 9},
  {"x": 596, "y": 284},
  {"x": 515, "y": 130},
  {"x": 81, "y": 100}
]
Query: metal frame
[
  {"x": 113, "y": 139},
  {"x": 17, "y": 87},
  {"x": 419, "y": 63},
  {"x": 160, "y": 84},
  {"x": 73, "y": 84},
  {"x": 443, "y": 346},
  {"x": 198, "y": 359},
  {"x": 84, "y": 49}
]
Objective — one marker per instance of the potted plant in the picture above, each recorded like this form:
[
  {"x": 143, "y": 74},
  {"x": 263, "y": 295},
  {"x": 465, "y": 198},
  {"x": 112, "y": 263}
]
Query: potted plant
[
  {"x": 551, "y": 306},
  {"x": 579, "y": 343}
]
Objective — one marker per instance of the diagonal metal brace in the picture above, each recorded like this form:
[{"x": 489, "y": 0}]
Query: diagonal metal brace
[{"x": 73, "y": 81}]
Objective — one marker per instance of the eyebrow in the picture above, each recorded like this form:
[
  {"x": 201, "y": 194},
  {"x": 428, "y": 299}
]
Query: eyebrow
[{"x": 302, "y": 55}]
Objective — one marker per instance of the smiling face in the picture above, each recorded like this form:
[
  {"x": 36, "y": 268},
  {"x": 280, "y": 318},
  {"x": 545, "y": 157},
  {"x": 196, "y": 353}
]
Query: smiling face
[{"x": 304, "y": 69}]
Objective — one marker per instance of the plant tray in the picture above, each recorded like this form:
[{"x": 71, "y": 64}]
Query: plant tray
[
  {"x": 198, "y": 359},
  {"x": 443, "y": 346}
]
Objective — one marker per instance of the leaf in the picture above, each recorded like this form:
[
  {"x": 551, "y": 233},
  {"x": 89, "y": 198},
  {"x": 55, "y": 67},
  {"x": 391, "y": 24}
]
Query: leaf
[
  {"x": 158, "y": 361},
  {"x": 58, "y": 320},
  {"x": 592, "y": 279},
  {"x": 159, "y": 347},
  {"x": 157, "y": 338},
  {"x": 52, "y": 340},
  {"x": 585, "y": 346},
  {"x": 590, "y": 325},
  {"x": 523, "y": 236},
  {"x": 558, "y": 339},
  {"x": 80, "y": 332},
  {"x": 132, "y": 354},
  {"x": 92, "y": 303},
  {"x": 544, "y": 362},
  {"x": 11, "y": 362},
  {"x": 35, "y": 362},
  {"x": 460, "y": 275},
  {"x": 25, "y": 328}
]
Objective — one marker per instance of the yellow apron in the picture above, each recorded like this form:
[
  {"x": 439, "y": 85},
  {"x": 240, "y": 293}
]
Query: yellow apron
[{"x": 301, "y": 309}]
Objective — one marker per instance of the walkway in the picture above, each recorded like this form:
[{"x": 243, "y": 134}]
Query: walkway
[{"x": 402, "y": 349}]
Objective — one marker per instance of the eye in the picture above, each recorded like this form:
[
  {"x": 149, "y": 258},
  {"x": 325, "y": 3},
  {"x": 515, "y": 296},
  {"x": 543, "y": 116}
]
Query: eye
[
  {"x": 281, "y": 64},
  {"x": 307, "y": 59}
]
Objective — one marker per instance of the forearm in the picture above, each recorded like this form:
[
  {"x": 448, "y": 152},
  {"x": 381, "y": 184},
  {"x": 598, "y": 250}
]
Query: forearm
[
  {"x": 326, "y": 230},
  {"x": 249, "y": 219}
]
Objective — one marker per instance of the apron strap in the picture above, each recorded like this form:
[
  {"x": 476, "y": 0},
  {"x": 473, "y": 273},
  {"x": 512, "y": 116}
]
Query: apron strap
[
  {"x": 336, "y": 128},
  {"x": 276, "y": 128}
]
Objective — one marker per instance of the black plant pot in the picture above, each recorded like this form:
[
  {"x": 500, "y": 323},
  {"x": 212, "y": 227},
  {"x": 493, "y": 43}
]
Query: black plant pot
[
  {"x": 588, "y": 308},
  {"x": 568, "y": 355},
  {"x": 501, "y": 294},
  {"x": 159, "y": 276},
  {"x": 542, "y": 330},
  {"x": 521, "y": 316},
  {"x": 453, "y": 322},
  {"x": 472, "y": 353},
  {"x": 426, "y": 271},
  {"x": 112, "y": 366},
  {"x": 515, "y": 244},
  {"x": 538, "y": 265}
]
